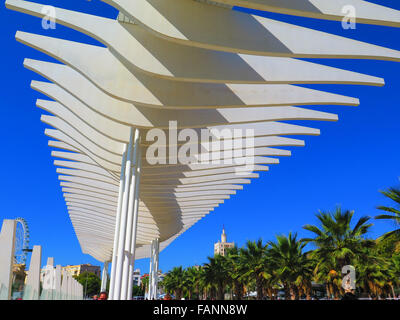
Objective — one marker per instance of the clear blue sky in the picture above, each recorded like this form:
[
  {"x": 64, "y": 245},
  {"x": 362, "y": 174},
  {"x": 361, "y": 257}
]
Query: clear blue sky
[{"x": 346, "y": 165}]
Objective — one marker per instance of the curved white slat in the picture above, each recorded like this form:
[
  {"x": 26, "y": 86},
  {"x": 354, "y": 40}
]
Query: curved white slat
[
  {"x": 183, "y": 95},
  {"x": 184, "y": 21},
  {"x": 175, "y": 61},
  {"x": 367, "y": 12}
]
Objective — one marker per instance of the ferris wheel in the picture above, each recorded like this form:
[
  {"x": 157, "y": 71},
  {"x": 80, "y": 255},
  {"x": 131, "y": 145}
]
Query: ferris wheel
[{"x": 21, "y": 241}]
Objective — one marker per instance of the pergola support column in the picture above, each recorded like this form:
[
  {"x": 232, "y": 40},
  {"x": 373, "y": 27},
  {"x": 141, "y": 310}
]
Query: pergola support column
[
  {"x": 135, "y": 222},
  {"x": 104, "y": 276},
  {"x": 130, "y": 238},
  {"x": 124, "y": 232},
  {"x": 117, "y": 227},
  {"x": 155, "y": 268},
  {"x": 150, "y": 291},
  {"x": 153, "y": 273}
]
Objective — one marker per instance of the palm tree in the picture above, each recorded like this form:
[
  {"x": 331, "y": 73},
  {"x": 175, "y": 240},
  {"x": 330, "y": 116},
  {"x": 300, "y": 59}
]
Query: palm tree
[
  {"x": 325, "y": 272},
  {"x": 254, "y": 262},
  {"x": 192, "y": 277},
  {"x": 235, "y": 267},
  {"x": 174, "y": 282},
  {"x": 270, "y": 283},
  {"x": 372, "y": 272},
  {"x": 393, "y": 194},
  {"x": 337, "y": 244},
  {"x": 199, "y": 282},
  {"x": 379, "y": 269},
  {"x": 395, "y": 271},
  {"x": 292, "y": 266},
  {"x": 216, "y": 275},
  {"x": 206, "y": 287}
]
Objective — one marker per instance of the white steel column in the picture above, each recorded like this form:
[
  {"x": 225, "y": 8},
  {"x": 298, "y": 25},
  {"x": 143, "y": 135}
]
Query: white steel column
[
  {"x": 104, "y": 277},
  {"x": 135, "y": 221},
  {"x": 153, "y": 281},
  {"x": 123, "y": 221},
  {"x": 150, "y": 292},
  {"x": 155, "y": 267},
  {"x": 130, "y": 218},
  {"x": 126, "y": 221},
  {"x": 117, "y": 226}
]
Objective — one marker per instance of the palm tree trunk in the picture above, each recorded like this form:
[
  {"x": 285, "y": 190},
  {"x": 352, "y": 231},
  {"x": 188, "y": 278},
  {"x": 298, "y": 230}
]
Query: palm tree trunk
[
  {"x": 394, "y": 295},
  {"x": 287, "y": 291},
  {"x": 308, "y": 291},
  {"x": 336, "y": 294},
  {"x": 293, "y": 292},
  {"x": 238, "y": 290},
  {"x": 300, "y": 290},
  {"x": 220, "y": 292},
  {"x": 259, "y": 288},
  {"x": 328, "y": 291},
  {"x": 274, "y": 293},
  {"x": 178, "y": 294},
  {"x": 268, "y": 293}
]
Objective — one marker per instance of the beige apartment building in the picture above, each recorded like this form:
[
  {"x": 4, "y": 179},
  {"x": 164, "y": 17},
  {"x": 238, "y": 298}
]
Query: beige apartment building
[{"x": 76, "y": 270}]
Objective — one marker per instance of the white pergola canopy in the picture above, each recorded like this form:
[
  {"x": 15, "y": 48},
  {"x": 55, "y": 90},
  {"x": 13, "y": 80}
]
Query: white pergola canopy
[{"x": 201, "y": 65}]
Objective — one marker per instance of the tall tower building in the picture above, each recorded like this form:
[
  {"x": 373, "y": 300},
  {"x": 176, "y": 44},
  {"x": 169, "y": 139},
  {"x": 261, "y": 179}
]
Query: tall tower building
[{"x": 222, "y": 246}]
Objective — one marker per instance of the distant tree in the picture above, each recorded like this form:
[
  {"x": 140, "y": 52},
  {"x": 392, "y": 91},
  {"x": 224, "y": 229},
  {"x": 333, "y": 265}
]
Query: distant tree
[
  {"x": 137, "y": 291},
  {"x": 144, "y": 283},
  {"x": 90, "y": 282}
]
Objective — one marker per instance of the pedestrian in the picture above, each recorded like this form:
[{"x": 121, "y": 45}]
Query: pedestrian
[{"x": 103, "y": 295}]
